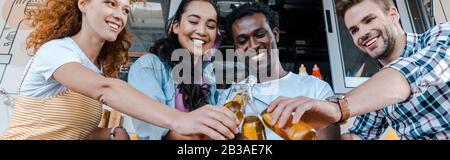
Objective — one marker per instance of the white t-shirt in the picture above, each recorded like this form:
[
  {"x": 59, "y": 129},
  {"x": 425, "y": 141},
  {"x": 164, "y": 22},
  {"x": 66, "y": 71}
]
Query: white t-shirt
[
  {"x": 291, "y": 85},
  {"x": 39, "y": 81}
]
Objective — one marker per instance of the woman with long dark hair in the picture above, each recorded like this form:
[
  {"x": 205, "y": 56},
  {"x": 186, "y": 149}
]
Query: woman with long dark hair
[{"x": 194, "y": 30}]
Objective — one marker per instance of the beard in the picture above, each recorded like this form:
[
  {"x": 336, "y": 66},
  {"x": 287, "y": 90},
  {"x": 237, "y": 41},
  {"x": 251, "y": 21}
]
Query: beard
[{"x": 389, "y": 42}]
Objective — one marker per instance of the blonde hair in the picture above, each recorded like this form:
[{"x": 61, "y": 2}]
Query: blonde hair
[{"x": 57, "y": 19}]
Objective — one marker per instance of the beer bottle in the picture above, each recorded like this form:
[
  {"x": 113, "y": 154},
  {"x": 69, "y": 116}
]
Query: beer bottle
[
  {"x": 253, "y": 129},
  {"x": 239, "y": 102},
  {"x": 237, "y": 105},
  {"x": 299, "y": 131}
]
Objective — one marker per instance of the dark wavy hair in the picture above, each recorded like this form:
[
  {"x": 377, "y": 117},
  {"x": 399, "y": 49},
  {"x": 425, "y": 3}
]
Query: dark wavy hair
[{"x": 194, "y": 95}]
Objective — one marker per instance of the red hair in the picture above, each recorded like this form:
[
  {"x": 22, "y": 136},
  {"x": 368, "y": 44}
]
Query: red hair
[{"x": 57, "y": 19}]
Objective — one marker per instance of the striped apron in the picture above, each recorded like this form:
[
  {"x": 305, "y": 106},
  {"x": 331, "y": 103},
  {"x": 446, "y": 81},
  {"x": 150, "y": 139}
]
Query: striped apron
[{"x": 66, "y": 116}]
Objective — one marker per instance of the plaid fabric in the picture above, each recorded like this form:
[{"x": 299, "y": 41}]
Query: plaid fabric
[{"x": 425, "y": 63}]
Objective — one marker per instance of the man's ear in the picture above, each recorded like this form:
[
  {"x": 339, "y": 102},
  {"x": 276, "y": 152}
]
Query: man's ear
[
  {"x": 82, "y": 6},
  {"x": 276, "y": 33},
  {"x": 175, "y": 27},
  {"x": 393, "y": 12}
]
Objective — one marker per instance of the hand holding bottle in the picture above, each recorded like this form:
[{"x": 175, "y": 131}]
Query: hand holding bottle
[
  {"x": 216, "y": 122},
  {"x": 318, "y": 114},
  {"x": 289, "y": 131}
]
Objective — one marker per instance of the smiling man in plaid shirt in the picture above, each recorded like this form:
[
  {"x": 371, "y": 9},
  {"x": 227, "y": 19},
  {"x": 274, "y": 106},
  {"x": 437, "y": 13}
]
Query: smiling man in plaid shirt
[{"x": 414, "y": 83}]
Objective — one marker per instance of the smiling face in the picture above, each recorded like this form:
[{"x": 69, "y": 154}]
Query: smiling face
[
  {"x": 197, "y": 27},
  {"x": 372, "y": 29},
  {"x": 106, "y": 18},
  {"x": 254, "y": 36}
]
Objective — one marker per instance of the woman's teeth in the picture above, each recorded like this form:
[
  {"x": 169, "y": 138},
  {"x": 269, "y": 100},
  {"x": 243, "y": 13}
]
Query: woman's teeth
[
  {"x": 114, "y": 26},
  {"x": 198, "y": 42}
]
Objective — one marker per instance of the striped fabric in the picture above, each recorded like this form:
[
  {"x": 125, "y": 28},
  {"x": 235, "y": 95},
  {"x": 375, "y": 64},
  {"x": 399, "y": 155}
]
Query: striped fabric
[{"x": 66, "y": 116}]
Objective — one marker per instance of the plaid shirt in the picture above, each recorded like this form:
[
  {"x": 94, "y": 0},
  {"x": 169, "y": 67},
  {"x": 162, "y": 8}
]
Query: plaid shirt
[{"x": 425, "y": 63}]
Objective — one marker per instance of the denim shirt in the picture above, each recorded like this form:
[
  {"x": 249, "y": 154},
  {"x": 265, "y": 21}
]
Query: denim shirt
[{"x": 153, "y": 77}]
